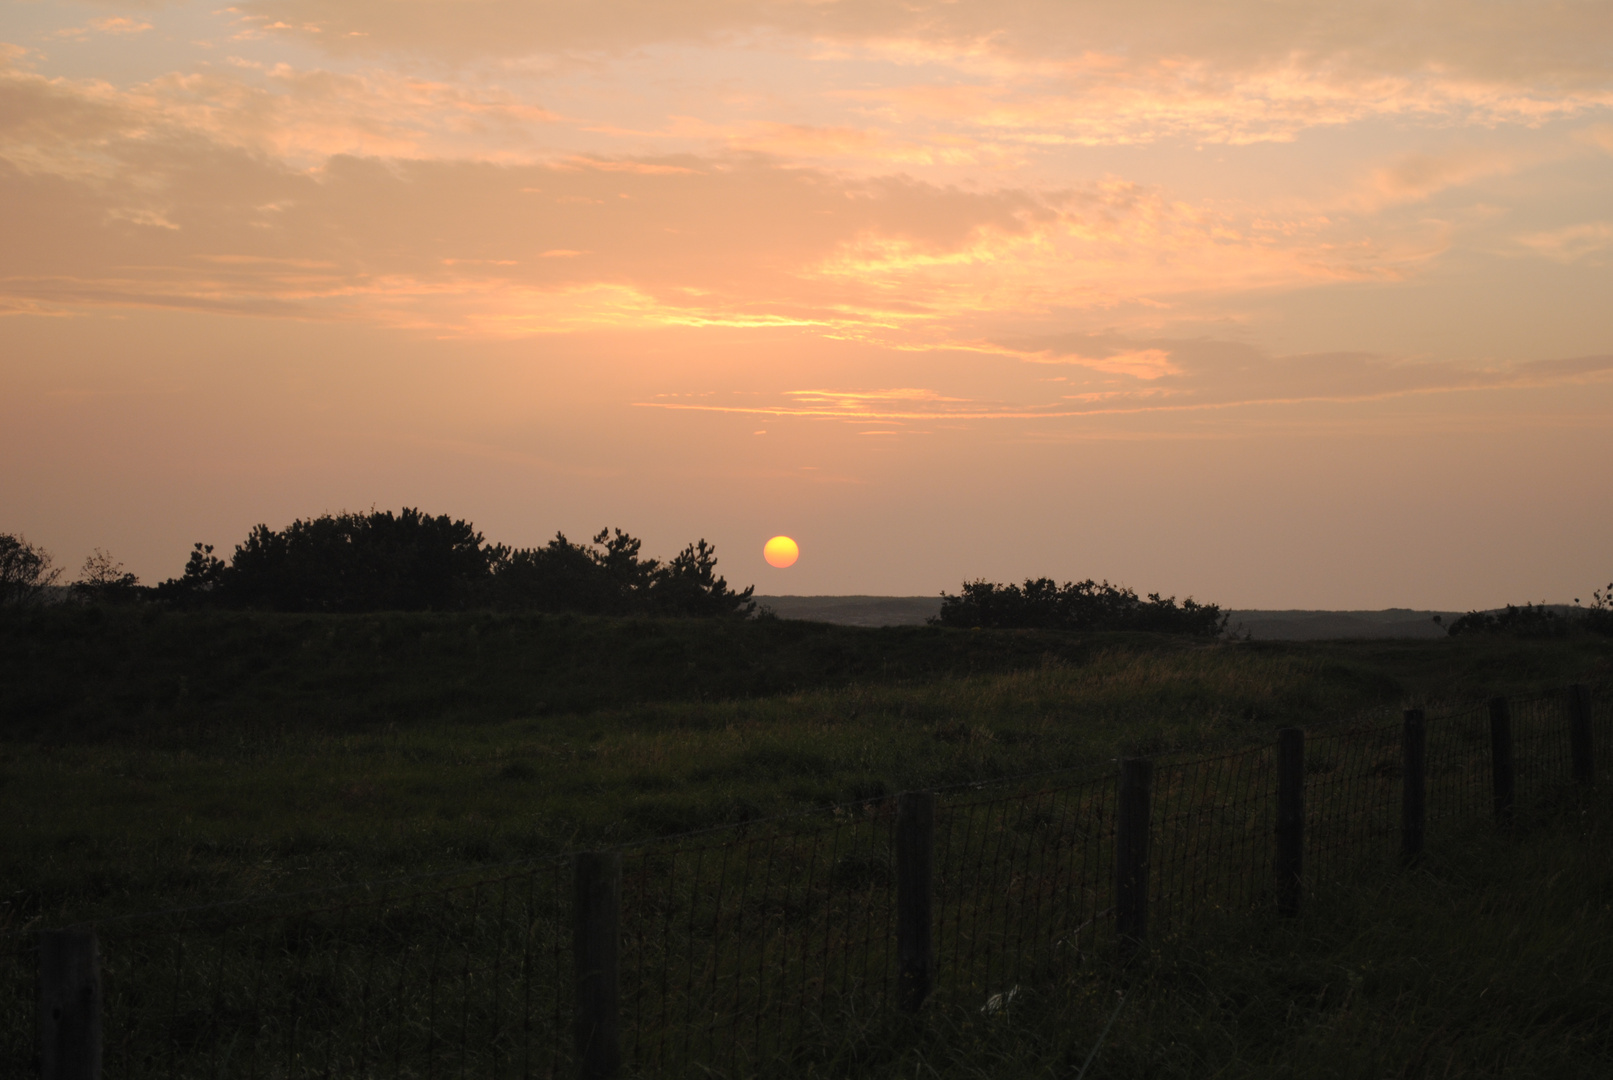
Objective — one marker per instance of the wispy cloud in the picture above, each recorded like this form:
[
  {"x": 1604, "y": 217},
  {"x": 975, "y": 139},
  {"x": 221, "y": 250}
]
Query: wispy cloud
[
  {"x": 1572, "y": 243},
  {"x": 1207, "y": 385},
  {"x": 115, "y": 25},
  {"x": 452, "y": 199},
  {"x": 508, "y": 248}
]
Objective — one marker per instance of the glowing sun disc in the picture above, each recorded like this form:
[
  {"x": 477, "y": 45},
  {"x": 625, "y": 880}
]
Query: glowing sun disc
[{"x": 781, "y": 551}]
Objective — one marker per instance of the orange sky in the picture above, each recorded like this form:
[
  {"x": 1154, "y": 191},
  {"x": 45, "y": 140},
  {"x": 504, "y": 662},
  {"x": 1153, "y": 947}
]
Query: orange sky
[{"x": 1276, "y": 304}]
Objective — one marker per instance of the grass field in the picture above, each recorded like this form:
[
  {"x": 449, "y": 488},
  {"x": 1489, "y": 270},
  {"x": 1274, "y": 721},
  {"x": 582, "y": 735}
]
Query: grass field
[
  {"x": 1493, "y": 957},
  {"x": 152, "y": 758}
]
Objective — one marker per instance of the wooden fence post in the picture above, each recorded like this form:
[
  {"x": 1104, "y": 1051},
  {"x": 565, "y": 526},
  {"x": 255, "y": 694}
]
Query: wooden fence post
[
  {"x": 69, "y": 1005},
  {"x": 1501, "y": 769},
  {"x": 1413, "y": 795},
  {"x": 1133, "y": 818},
  {"x": 1579, "y": 733},
  {"x": 596, "y": 938},
  {"x": 1290, "y": 818},
  {"x": 915, "y": 861}
]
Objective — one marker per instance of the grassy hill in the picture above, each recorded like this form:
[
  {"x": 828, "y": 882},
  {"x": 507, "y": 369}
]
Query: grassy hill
[
  {"x": 152, "y": 758},
  {"x": 148, "y": 756}
]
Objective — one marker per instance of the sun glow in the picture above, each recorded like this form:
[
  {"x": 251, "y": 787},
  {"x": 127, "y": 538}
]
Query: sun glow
[
  {"x": 1262, "y": 260},
  {"x": 781, "y": 552}
]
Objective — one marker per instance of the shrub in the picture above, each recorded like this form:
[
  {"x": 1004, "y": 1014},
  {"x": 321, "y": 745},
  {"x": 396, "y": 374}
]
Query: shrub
[
  {"x": 412, "y": 561},
  {"x": 1598, "y": 618},
  {"x": 25, "y": 571},
  {"x": 103, "y": 580},
  {"x": 1086, "y": 605},
  {"x": 1526, "y": 621},
  {"x": 1540, "y": 621}
]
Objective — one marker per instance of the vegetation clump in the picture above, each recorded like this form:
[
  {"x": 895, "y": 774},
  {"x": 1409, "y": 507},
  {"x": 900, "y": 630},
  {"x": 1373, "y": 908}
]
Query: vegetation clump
[
  {"x": 1527, "y": 621},
  {"x": 1540, "y": 620},
  {"x": 411, "y": 561},
  {"x": 1043, "y": 604},
  {"x": 1599, "y": 616},
  {"x": 25, "y": 571}
]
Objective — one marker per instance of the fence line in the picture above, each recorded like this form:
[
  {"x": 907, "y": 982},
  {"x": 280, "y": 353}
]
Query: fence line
[{"x": 728, "y": 950}]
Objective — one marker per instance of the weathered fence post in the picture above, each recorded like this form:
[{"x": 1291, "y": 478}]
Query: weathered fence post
[
  {"x": 596, "y": 937},
  {"x": 1133, "y": 818},
  {"x": 1501, "y": 770},
  {"x": 1290, "y": 818},
  {"x": 1414, "y": 792},
  {"x": 915, "y": 868},
  {"x": 69, "y": 1005},
  {"x": 1579, "y": 733}
]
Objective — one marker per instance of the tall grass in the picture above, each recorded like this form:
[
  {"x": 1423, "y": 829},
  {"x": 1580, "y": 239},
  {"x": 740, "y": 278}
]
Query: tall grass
[
  {"x": 1491, "y": 958},
  {"x": 292, "y": 752},
  {"x": 1493, "y": 951}
]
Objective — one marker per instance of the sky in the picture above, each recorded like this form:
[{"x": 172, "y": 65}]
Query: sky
[{"x": 1275, "y": 304}]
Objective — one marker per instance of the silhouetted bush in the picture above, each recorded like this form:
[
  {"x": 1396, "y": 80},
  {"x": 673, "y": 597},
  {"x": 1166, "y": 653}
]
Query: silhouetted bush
[
  {"x": 563, "y": 576},
  {"x": 1540, "y": 621},
  {"x": 200, "y": 585},
  {"x": 360, "y": 562},
  {"x": 689, "y": 585},
  {"x": 25, "y": 571},
  {"x": 412, "y": 561},
  {"x": 609, "y": 578},
  {"x": 1085, "y": 605},
  {"x": 103, "y": 580},
  {"x": 1598, "y": 618},
  {"x": 1527, "y": 621}
]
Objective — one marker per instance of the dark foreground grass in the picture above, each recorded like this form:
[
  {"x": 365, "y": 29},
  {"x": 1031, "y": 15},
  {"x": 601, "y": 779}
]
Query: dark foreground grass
[
  {"x": 150, "y": 758},
  {"x": 71, "y": 674},
  {"x": 1492, "y": 958},
  {"x": 156, "y": 758}
]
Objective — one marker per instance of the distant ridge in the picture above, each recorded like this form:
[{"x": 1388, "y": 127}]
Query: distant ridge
[
  {"x": 855, "y": 610},
  {"x": 1287, "y": 625}
]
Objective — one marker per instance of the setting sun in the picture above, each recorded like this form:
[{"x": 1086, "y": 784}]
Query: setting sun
[
  {"x": 1236, "y": 273},
  {"x": 781, "y": 552}
]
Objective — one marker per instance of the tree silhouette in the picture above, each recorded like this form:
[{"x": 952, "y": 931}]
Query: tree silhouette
[
  {"x": 690, "y": 585},
  {"x": 378, "y": 561},
  {"x": 25, "y": 571},
  {"x": 102, "y": 579},
  {"x": 412, "y": 561}
]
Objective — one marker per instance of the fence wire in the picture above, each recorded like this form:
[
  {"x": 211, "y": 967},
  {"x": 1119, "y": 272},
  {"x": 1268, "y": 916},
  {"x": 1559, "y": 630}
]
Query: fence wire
[
  {"x": 19, "y": 962},
  {"x": 739, "y": 948},
  {"x": 1212, "y": 836},
  {"x": 464, "y": 979},
  {"x": 751, "y": 946},
  {"x": 1457, "y": 776},
  {"x": 1352, "y": 800},
  {"x": 1023, "y": 882}
]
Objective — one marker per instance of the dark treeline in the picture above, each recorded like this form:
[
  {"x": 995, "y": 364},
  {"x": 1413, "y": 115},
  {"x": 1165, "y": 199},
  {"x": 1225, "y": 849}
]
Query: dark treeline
[
  {"x": 411, "y": 561},
  {"x": 1043, "y": 604}
]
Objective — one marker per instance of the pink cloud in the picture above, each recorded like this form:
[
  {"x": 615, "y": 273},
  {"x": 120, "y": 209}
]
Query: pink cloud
[{"x": 115, "y": 25}]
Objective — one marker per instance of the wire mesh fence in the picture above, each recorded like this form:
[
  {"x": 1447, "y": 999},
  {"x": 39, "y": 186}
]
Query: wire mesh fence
[
  {"x": 19, "y": 961},
  {"x": 1352, "y": 799},
  {"x": 1213, "y": 831},
  {"x": 1542, "y": 764},
  {"x": 461, "y": 978},
  {"x": 1023, "y": 883},
  {"x": 1602, "y": 728},
  {"x": 743, "y": 948}
]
